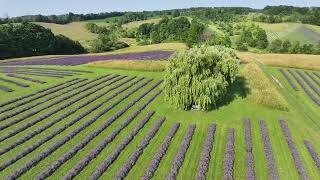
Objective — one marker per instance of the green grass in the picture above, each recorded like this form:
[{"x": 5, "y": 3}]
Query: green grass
[{"x": 303, "y": 119}]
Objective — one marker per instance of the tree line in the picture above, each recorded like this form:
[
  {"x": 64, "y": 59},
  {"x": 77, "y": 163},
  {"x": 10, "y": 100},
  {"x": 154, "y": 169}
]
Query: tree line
[{"x": 28, "y": 39}]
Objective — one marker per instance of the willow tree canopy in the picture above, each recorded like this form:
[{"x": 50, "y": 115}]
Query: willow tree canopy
[{"x": 200, "y": 76}]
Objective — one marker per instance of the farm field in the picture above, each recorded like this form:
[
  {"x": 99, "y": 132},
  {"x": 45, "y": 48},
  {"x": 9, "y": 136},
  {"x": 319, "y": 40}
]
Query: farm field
[
  {"x": 303, "y": 33},
  {"x": 104, "y": 122}
]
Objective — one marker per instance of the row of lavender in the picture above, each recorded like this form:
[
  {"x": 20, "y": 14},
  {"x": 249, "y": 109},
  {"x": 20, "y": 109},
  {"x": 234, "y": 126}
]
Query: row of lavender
[
  {"x": 22, "y": 73},
  {"x": 305, "y": 83},
  {"x": 76, "y": 60}
]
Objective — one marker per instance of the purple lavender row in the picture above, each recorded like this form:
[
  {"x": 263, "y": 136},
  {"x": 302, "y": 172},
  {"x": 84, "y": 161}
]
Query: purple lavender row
[
  {"x": 52, "y": 104},
  {"x": 250, "y": 158},
  {"x": 305, "y": 88},
  {"x": 95, "y": 152},
  {"x": 313, "y": 78},
  {"x": 35, "y": 93},
  {"x": 34, "y": 161},
  {"x": 317, "y": 74},
  {"x": 228, "y": 162},
  {"x": 26, "y": 78},
  {"x": 76, "y": 60},
  {"x": 59, "y": 108},
  {"x": 73, "y": 151},
  {"x": 40, "y": 72},
  {"x": 102, "y": 144},
  {"x": 37, "y": 74},
  {"x": 53, "y": 69},
  {"x": 313, "y": 153},
  {"x": 293, "y": 85},
  {"x": 122, "y": 145},
  {"x": 160, "y": 153},
  {"x": 65, "y": 115},
  {"x": 6, "y": 89},
  {"x": 273, "y": 171},
  {"x": 313, "y": 87},
  {"x": 57, "y": 131},
  {"x": 131, "y": 161},
  {"x": 180, "y": 156},
  {"x": 48, "y": 92},
  {"x": 14, "y": 82},
  {"x": 294, "y": 151},
  {"x": 205, "y": 157},
  {"x": 23, "y": 109}
]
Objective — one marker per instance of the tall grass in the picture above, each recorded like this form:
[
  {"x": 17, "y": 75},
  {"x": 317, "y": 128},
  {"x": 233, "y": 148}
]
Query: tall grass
[{"x": 261, "y": 90}]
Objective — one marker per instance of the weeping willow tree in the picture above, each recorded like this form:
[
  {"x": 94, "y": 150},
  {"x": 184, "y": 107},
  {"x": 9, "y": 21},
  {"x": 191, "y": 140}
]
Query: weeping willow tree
[{"x": 200, "y": 76}]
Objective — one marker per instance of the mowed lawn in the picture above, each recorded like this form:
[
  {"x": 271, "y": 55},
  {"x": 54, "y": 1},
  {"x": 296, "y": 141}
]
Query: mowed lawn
[{"x": 303, "y": 120}]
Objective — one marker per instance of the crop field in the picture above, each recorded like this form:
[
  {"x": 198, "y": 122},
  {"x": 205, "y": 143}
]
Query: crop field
[
  {"x": 292, "y": 31},
  {"x": 90, "y": 122}
]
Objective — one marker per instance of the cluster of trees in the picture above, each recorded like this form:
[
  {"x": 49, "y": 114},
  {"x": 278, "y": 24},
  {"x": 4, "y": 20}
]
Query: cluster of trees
[
  {"x": 279, "y": 46},
  {"x": 251, "y": 36},
  {"x": 108, "y": 37},
  {"x": 171, "y": 29},
  {"x": 276, "y": 14},
  {"x": 27, "y": 39},
  {"x": 60, "y": 19}
]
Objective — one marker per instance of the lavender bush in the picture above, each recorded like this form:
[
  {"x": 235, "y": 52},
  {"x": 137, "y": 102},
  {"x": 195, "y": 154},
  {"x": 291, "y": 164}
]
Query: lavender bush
[
  {"x": 313, "y": 87},
  {"x": 305, "y": 88},
  {"x": 123, "y": 144},
  {"x": 76, "y": 60},
  {"x": 34, "y": 146},
  {"x": 273, "y": 171},
  {"x": 317, "y": 74},
  {"x": 127, "y": 166},
  {"x": 26, "y": 101},
  {"x": 42, "y": 68},
  {"x": 293, "y": 85},
  {"x": 38, "y": 74},
  {"x": 65, "y": 115},
  {"x": 228, "y": 162},
  {"x": 57, "y": 109},
  {"x": 294, "y": 151},
  {"x": 313, "y": 153},
  {"x": 160, "y": 153},
  {"x": 250, "y": 158},
  {"x": 26, "y": 78},
  {"x": 6, "y": 89},
  {"x": 180, "y": 156},
  {"x": 205, "y": 154},
  {"x": 35, "y": 160},
  {"x": 14, "y": 82},
  {"x": 313, "y": 78},
  {"x": 36, "y": 93},
  {"x": 96, "y": 151},
  {"x": 68, "y": 155}
]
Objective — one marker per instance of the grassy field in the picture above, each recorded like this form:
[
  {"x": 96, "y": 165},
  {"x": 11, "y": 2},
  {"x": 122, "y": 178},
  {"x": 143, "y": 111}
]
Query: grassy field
[
  {"x": 75, "y": 31},
  {"x": 303, "y": 119},
  {"x": 286, "y": 60},
  {"x": 142, "y": 65}
]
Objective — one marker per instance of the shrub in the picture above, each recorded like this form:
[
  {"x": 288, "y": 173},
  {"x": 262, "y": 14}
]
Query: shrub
[
  {"x": 262, "y": 91},
  {"x": 200, "y": 76}
]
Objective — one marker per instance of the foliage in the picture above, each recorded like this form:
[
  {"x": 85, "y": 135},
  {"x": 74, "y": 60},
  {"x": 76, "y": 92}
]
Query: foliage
[
  {"x": 200, "y": 76},
  {"x": 176, "y": 29},
  {"x": 253, "y": 36},
  {"x": 262, "y": 91},
  {"x": 279, "y": 46},
  {"x": 93, "y": 28},
  {"x": 29, "y": 39},
  {"x": 106, "y": 42},
  {"x": 219, "y": 39}
]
